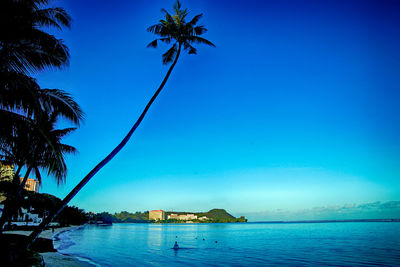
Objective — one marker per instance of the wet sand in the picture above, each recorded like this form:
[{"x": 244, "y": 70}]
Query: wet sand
[
  {"x": 47, "y": 233},
  {"x": 55, "y": 259}
]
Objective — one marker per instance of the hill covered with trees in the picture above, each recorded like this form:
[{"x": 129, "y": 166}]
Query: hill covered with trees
[{"x": 214, "y": 216}]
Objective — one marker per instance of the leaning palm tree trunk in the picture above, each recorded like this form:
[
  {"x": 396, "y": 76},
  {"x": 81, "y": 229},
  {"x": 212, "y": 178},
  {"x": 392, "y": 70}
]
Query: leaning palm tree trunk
[{"x": 33, "y": 236}]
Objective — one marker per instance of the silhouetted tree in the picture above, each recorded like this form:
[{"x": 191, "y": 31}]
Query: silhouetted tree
[
  {"x": 25, "y": 48},
  {"x": 39, "y": 148}
]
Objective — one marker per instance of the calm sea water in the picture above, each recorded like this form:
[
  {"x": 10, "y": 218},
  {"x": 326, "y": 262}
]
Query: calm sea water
[{"x": 250, "y": 244}]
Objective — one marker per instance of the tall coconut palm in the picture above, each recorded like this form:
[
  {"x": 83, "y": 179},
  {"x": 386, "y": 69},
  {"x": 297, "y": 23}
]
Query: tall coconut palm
[
  {"x": 173, "y": 29},
  {"x": 37, "y": 147}
]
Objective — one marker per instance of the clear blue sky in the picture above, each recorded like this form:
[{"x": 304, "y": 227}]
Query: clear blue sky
[{"x": 296, "y": 107}]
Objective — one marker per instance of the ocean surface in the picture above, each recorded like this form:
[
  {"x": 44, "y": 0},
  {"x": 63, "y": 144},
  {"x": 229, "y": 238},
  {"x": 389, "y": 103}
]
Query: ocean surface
[{"x": 237, "y": 244}]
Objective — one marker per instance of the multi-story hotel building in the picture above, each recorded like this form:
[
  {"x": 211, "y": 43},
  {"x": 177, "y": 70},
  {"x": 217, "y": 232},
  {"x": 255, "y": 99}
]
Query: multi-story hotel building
[
  {"x": 31, "y": 185},
  {"x": 6, "y": 171},
  {"x": 157, "y": 215}
]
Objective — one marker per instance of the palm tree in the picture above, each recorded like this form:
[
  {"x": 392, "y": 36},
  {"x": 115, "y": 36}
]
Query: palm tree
[
  {"x": 26, "y": 49},
  {"x": 173, "y": 28},
  {"x": 37, "y": 147}
]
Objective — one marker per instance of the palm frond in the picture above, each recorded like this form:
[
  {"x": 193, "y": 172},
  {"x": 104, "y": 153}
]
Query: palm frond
[
  {"x": 17, "y": 91},
  {"x": 177, "y": 6},
  {"x": 156, "y": 28},
  {"x": 153, "y": 43},
  {"x": 189, "y": 48},
  {"x": 38, "y": 52},
  {"x": 200, "y": 40},
  {"x": 56, "y": 17},
  {"x": 169, "y": 56},
  {"x": 60, "y": 133},
  {"x": 199, "y": 30},
  {"x": 166, "y": 40},
  {"x": 195, "y": 19},
  {"x": 68, "y": 149},
  {"x": 62, "y": 103}
]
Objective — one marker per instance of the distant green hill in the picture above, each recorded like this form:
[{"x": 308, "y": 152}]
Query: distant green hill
[{"x": 215, "y": 215}]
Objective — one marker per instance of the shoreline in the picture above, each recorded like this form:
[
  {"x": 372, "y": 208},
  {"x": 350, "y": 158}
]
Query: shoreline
[{"x": 55, "y": 259}]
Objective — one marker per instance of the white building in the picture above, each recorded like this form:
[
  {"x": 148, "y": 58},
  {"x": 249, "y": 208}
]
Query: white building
[
  {"x": 27, "y": 216},
  {"x": 183, "y": 217}
]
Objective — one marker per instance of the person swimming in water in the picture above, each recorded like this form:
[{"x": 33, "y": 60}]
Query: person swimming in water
[{"x": 176, "y": 245}]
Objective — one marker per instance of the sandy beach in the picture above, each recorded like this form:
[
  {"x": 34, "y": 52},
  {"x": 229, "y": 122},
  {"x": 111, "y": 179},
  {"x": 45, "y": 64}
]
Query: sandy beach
[{"x": 54, "y": 259}]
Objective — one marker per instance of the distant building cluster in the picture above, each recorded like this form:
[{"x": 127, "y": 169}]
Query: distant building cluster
[
  {"x": 160, "y": 215},
  {"x": 183, "y": 217},
  {"x": 24, "y": 217}
]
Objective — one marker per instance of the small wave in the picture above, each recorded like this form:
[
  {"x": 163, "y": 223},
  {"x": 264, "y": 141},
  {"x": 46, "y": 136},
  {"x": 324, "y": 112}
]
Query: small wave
[
  {"x": 64, "y": 244},
  {"x": 90, "y": 261},
  {"x": 62, "y": 240},
  {"x": 83, "y": 259}
]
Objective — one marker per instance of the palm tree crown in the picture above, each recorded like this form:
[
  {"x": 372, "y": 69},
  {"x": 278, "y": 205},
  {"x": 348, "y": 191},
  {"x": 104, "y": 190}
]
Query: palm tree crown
[{"x": 174, "y": 28}]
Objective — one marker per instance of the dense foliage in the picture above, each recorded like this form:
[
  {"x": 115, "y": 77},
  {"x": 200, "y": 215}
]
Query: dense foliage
[
  {"x": 29, "y": 139},
  {"x": 137, "y": 217},
  {"x": 42, "y": 204}
]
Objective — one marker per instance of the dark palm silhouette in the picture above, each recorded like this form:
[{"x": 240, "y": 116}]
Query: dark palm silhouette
[
  {"x": 173, "y": 28},
  {"x": 38, "y": 147},
  {"x": 26, "y": 49}
]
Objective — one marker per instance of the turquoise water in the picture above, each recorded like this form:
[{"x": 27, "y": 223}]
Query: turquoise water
[{"x": 250, "y": 244}]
